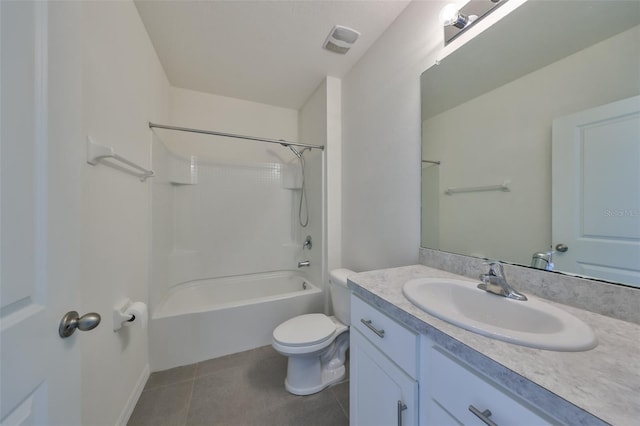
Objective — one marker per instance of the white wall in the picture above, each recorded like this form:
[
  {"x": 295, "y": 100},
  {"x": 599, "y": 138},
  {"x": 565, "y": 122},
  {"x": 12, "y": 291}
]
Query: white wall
[
  {"x": 334, "y": 174},
  {"x": 320, "y": 123},
  {"x": 162, "y": 220},
  {"x": 381, "y": 142},
  {"x": 313, "y": 130},
  {"x": 124, "y": 86},
  {"x": 513, "y": 226},
  {"x": 63, "y": 180},
  {"x": 206, "y": 111}
]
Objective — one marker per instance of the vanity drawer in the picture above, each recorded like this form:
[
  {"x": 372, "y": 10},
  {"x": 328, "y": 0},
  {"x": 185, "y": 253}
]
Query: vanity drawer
[
  {"x": 455, "y": 387},
  {"x": 394, "y": 340}
]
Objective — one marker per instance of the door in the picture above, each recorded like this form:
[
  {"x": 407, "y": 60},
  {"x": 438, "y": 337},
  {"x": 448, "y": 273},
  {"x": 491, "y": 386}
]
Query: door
[
  {"x": 39, "y": 371},
  {"x": 596, "y": 191},
  {"x": 381, "y": 394}
]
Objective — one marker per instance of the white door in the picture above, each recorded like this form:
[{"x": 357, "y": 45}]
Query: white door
[
  {"x": 39, "y": 371},
  {"x": 596, "y": 191}
]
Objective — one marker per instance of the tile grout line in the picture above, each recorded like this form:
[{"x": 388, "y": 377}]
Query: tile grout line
[
  {"x": 344, "y": 411},
  {"x": 156, "y": 387},
  {"x": 186, "y": 415},
  {"x": 193, "y": 385}
]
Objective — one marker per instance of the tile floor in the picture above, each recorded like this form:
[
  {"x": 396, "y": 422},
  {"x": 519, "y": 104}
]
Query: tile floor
[{"x": 243, "y": 389}]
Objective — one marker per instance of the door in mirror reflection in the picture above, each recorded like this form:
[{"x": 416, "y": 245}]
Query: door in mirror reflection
[{"x": 595, "y": 158}]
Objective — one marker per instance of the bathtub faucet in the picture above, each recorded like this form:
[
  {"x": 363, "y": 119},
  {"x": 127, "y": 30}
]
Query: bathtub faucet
[{"x": 303, "y": 263}]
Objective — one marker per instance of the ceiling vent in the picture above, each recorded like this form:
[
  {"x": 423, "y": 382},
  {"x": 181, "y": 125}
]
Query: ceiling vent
[{"x": 340, "y": 39}]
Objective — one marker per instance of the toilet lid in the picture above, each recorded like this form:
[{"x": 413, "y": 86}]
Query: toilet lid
[{"x": 304, "y": 330}]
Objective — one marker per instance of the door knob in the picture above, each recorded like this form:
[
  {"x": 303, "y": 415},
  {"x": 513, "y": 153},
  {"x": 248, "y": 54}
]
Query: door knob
[
  {"x": 562, "y": 247},
  {"x": 72, "y": 320}
]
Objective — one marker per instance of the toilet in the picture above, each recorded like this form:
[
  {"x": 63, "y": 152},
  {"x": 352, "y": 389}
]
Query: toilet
[{"x": 316, "y": 343}]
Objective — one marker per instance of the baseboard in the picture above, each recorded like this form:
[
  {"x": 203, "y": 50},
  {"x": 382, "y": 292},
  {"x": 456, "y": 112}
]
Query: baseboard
[{"x": 133, "y": 398}]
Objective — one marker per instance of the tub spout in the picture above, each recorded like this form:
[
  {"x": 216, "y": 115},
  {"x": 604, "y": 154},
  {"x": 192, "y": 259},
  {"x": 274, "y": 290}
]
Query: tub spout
[{"x": 303, "y": 263}]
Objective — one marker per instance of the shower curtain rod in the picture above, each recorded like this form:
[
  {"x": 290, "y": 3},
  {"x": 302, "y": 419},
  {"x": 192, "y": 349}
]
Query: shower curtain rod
[{"x": 232, "y": 135}]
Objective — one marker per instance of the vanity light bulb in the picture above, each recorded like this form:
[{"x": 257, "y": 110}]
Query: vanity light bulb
[{"x": 450, "y": 15}]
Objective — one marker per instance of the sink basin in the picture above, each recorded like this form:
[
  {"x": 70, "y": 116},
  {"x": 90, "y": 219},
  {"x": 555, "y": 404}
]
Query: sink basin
[{"x": 531, "y": 323}]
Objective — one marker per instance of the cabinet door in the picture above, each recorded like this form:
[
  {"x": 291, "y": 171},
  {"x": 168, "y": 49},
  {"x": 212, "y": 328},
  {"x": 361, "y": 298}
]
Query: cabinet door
[{"x": 379, "y": 389}]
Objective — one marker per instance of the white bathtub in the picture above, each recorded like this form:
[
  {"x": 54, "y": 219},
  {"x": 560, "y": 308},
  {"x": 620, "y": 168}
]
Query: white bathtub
[{"x": 210, "y": 318}]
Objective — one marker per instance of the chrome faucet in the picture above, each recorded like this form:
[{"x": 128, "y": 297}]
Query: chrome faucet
[
  {"x": 304, "y": 263},
  {"x": 495, "y": 282},
  {"x": 543, "y": 260}
]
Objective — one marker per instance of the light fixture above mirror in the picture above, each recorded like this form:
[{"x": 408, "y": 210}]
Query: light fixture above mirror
[{"x": 456, "y": 19}]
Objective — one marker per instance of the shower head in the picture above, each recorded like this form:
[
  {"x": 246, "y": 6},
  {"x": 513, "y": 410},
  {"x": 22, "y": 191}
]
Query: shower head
[
  {"x": 288, "y": 145},
  {"x": 295, "y": 151}
]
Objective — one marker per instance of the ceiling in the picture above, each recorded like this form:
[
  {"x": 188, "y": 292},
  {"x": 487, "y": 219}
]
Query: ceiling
[{"x": 261, "y": 50}]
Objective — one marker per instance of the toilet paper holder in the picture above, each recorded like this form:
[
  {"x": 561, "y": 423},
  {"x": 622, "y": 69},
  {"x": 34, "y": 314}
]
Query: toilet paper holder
[{"x": 122, "y": 316}]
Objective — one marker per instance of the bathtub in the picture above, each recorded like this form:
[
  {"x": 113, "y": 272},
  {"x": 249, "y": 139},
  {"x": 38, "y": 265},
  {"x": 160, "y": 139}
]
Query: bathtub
[{"x": 209, "y": 318}]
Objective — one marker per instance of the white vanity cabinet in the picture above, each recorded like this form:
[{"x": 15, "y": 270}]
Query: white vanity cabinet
[
  {"x": 453, "y": 391},
  {"x": 384, "y": 366},
  {"x": 400, "y": 377}
]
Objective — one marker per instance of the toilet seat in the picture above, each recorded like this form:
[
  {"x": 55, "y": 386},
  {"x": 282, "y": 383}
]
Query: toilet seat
[{"x": 305, "y": 330}]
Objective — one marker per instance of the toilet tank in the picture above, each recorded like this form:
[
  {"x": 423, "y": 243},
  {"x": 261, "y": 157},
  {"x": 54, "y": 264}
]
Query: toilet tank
[{"x": 340, "y": 294}]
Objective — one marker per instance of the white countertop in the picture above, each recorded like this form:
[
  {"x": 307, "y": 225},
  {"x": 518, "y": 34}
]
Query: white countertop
[{"x": 600, "y": 384}]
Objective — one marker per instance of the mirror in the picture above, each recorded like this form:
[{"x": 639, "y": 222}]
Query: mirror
[{"x": 516, "y": 158}]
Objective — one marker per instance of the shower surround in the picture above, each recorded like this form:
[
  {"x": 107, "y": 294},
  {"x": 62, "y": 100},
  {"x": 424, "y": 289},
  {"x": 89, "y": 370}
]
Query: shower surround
[{"x": 225, "y": 248}]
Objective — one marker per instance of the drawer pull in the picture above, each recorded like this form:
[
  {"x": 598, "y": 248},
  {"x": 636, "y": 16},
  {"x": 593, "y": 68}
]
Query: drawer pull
[
  {"x": 379, "y": 333},
  {"x": 483, "y": 415},
  {"x": 401, "y": 407}
]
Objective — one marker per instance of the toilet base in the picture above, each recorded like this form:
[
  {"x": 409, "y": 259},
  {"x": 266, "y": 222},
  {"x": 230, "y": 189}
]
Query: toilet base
[
  {"x": 328, "y": 378},
  {"x": 312, "y": 373}
]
